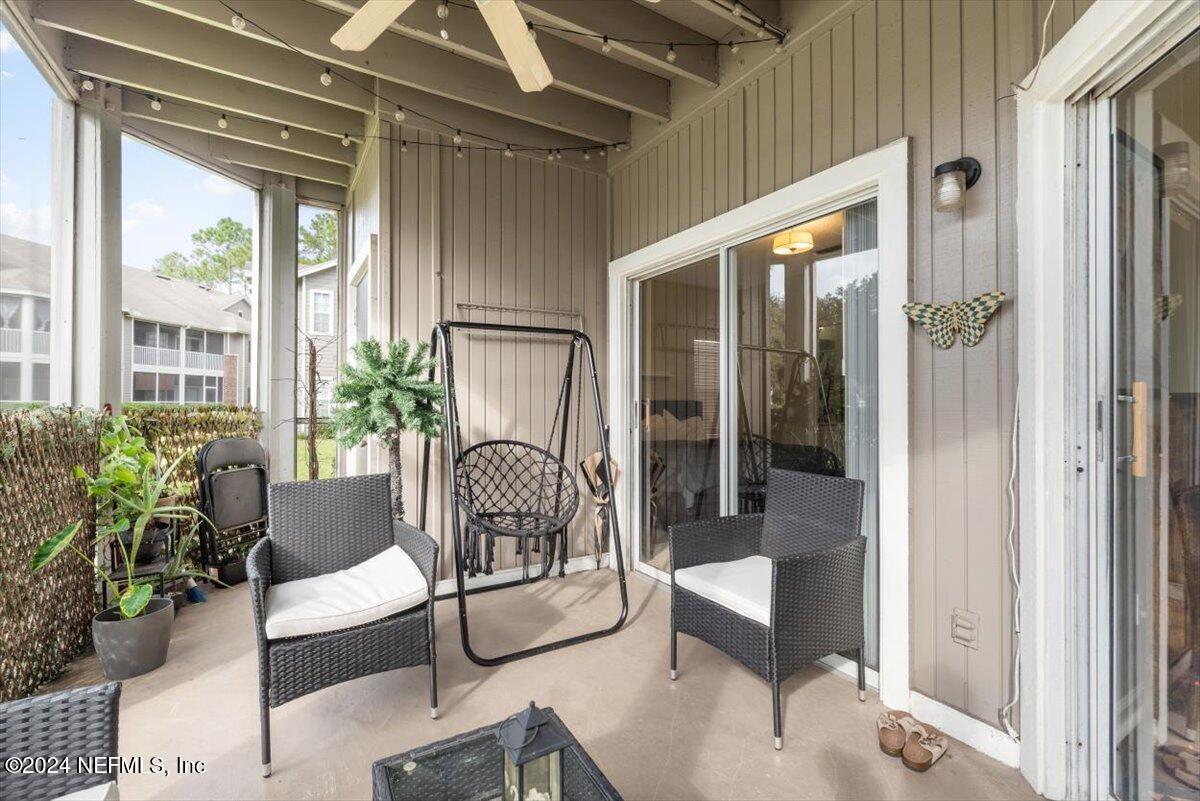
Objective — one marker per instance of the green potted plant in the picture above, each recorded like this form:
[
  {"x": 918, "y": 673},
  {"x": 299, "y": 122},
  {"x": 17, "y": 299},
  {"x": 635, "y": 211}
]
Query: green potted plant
[
  {"x": 387, "y": 394},
  {"x": 133, "y": 494}
]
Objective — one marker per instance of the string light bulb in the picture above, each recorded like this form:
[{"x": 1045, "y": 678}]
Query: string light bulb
[
  {"x": 399, "y": 115},
  {"x": 761, "y": 33},
  {"x": 736, "y": 10},
  {"x": 603, "y": 152},
  {"x": 779, "y": 46},
  {"x": 403, "y": 145},
  {"x": 285, "y": 134},
  {"x": 733, "y": 47},
  {"x": 345, "y": 140},
  {"x": 606, "y": 47},
  {"x": 87, "y": 85},
  {"x": 671, "y": 56},
  {"x": 458, "y": 153},
  {"x": 531, "y": 31},
  {"x": 587, "y": 156},
  {"x": 156, "y": 104},
  {"x": 222, "y": 122},
  {"x": 327, "y": 77},
  {"x": 443, "y": 12},
  {"x": 458, "y": 137},
  {"x": 239, "y": 22},
  {"x": 508, "y": 153}
]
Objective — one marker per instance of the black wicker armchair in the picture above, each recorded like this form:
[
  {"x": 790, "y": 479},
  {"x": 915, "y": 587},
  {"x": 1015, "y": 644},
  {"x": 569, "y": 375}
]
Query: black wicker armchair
[
  {"x": 381, "y": 596},
  {"x": 67, "y": 726},
  {"x": 776, "y": 590}
]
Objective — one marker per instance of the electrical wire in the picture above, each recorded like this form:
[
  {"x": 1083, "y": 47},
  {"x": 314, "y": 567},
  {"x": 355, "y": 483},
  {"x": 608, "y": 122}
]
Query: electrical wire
[{"x": 1010, "y": 547}]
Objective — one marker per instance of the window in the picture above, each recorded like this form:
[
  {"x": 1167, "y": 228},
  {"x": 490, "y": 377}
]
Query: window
[
  {"x": 10, "y": 312},
  {"x": 27, "y": 186},
  {"x": 188, "y": 246},
  {"x": 193, "y": 389},
  {"x": 40, "y": 389},
  {"x": 321, "y": 312},
  {"x": 145, "y": 334},
  {"x": 10, "y": 381},
  {"x": 215, "y": 343},
  {"x": 145, "y": 387}
]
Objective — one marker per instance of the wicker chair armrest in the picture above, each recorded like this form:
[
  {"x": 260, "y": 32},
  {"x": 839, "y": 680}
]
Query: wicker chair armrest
[
  {"x": 821, "y": 591},
  {"x": 420, "y": 547},
  {"x": 717, "y": 539},
  {"x": 80, "y": 722},
  {"x": 258, "y": 572}
]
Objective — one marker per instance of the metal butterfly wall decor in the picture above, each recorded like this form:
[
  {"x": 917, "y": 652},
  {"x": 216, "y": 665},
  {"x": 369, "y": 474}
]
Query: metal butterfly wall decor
[{"x": 967, "y": 319}]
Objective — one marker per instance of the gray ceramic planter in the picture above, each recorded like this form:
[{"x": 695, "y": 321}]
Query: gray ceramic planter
[{"x": 129, "y": 648}]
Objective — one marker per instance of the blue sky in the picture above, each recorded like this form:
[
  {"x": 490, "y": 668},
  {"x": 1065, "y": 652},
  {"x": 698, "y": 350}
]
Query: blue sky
[{"x": 164, "y": 199}]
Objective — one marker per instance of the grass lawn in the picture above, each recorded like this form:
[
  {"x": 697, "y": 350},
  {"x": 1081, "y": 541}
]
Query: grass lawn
[{"x": 326, "y": 458}]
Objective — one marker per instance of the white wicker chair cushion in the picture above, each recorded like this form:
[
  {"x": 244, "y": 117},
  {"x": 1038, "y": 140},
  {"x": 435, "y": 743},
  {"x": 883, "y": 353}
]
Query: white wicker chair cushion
[
  {"x": 97, "y": 792},
  {"x": 384, "y": 585},
  {"x": 743, "y": 586}
]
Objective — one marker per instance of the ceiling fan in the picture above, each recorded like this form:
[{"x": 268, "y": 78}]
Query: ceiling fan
[{"x": 502, "y": 17}]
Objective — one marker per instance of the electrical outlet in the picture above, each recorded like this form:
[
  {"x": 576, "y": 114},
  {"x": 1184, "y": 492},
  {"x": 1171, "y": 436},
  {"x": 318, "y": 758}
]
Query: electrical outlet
[{"x": 964, "y": 628}]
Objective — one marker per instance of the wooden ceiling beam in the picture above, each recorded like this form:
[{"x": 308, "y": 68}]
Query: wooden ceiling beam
[
  {"x": 159, "y": 76},
  {"x": 629, "y": 21},
  {"x": 204, "y": 120},
  {"x": 405, "y": 61},
  {"x": 577, "y": 70},
  {"x": 168, "y": 36}
]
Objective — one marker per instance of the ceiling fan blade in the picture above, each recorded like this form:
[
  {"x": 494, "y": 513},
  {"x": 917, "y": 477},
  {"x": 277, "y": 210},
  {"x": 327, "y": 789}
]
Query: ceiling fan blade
[
  {"x": 522, "y": 53},
  {"x": 362, "y": 29}
]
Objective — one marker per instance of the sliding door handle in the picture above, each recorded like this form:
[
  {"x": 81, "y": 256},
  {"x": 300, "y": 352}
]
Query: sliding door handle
[{"x": 1141, "y": 417}]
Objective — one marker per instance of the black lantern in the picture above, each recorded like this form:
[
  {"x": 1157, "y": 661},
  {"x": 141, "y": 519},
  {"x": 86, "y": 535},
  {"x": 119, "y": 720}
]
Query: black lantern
[{"x": 533, "y": 747}]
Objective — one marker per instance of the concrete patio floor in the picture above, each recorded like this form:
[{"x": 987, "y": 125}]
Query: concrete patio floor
[{"x": 706, "y": 736}]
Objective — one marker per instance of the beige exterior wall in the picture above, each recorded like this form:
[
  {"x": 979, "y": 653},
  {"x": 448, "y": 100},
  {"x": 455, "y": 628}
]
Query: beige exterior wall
[
  {"x": 495, "y": 231},
  {"x": 864, "y": 75}
]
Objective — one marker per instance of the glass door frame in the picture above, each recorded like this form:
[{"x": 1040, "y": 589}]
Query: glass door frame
[{"x": 882, "y": 175}]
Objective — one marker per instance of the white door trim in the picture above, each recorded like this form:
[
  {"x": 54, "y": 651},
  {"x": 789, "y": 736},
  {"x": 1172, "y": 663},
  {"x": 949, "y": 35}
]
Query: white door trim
[
  {"x": 882, "y": 174},
  {"x": 1106, "y": 42}
]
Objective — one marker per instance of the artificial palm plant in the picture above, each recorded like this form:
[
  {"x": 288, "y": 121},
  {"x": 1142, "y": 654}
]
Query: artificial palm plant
[{"x": 387, "y": 395}]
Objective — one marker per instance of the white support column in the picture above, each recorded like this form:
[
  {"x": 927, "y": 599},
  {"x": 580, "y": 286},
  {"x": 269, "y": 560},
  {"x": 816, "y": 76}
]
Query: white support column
[
  {"x": 95, "y": 325},
  {"x": 62, "y": 253},
  {"x": 275, "y": 324}
]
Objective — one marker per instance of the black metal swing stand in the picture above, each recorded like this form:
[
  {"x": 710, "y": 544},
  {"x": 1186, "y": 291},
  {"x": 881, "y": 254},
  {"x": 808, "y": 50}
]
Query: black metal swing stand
[{"x": 513, "y": 489}]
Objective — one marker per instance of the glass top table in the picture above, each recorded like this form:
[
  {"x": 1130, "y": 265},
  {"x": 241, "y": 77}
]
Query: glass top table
[{"x": 470, "y": 767}]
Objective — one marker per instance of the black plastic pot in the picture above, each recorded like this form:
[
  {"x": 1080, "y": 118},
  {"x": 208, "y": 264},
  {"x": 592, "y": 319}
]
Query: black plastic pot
[
  {"x": 129, "y": 648},
  {"x": 151, "y": 548}
]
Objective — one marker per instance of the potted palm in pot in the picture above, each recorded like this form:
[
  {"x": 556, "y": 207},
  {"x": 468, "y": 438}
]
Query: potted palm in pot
[
  {"x": 134, "y": 495},
  {"x": 386, "y": 395}
]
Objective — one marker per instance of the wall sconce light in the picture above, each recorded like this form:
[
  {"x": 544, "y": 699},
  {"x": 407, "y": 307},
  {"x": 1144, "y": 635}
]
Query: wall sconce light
[
  {"x": 792, "y": 243},
  {"x": 951, "y": 182},
  {"x": 1177, "y": 168}
]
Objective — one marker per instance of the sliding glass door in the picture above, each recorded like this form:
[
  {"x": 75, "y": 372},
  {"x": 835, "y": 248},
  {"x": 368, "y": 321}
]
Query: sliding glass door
[{"x": 802, "y": 347}]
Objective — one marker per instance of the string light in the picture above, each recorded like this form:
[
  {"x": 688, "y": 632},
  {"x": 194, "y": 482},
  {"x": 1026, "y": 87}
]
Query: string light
[
  {"x": 87, "y": 84},
  {"x": 285, "y": 134},
  {"x": 458, "y": 137},
  {"x": 327, "y": 77},
  {"x": 508, "y": 153},
  {"x": 779, "y": 46},
  {"x": 606, "y": 48},
  {"x": 403, "y": 145},
  {"x": 587, "y": 156},
  {"x": 222, "y": 122},
  {"x": 346, "y": 140},
  {"x": 603, "y": 152},
  {"x": 443, "y": 12},
  {"x": 671, "y": 56},
  {"x": 156, "y": 104},
  {"x": 733, "y": 47},
  {"x": 399, "y": 115},
  {"x": 736, "y": 10},
  {"x": 239, "y": 22},
  {"x": 532, "y": 33},
  {"x": 458, "y": 153},
  {"x": 761, "y": 33}
]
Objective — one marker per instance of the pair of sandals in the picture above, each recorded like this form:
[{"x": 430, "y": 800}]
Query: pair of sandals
[{"x": 918, "y": 744}]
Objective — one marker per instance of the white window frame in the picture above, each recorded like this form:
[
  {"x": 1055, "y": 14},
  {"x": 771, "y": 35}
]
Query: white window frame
[
  {"x": 313, "y": 294},
  {"x": 881, "y": 174},
  {"x": 1060, "y": 686}
]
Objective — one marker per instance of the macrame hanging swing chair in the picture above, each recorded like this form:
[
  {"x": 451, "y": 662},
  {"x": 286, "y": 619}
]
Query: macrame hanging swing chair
[{"x": 509, "y": 488}]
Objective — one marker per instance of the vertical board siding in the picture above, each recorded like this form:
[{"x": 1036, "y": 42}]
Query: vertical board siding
[
  {"x": 517, "y": 233},
  {"x": 940, "y": 72}
]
